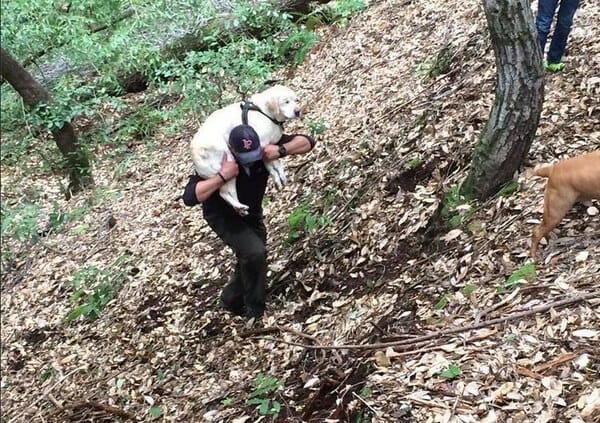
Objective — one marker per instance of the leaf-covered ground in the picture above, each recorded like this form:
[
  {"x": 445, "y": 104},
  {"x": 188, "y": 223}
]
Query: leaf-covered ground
[{"x": 440, "y": 330}]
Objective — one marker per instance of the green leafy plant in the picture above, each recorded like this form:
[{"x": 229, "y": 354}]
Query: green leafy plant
[
  {"x": 21, "y": 221},
  {"x": 94, "y": 287},
  {"x": 414, "y": 162},
  {"x": 316, "y": 127},
  {"x": 469, "y": 289},
  {"x": 342, "y": 10},
  {"x": 301, "y": 221},
  {"x": 155, "y": 411},
  {"x": 296, "y": 46},
  {"x": 456, "y": 209},
  {"x": 508, "y": 189},
  {"x": 339, "y": 11},
  {"x": 47, "y": 373},
  {"x": 451, "y": 372},
  {"x": 525, "y": 272},
  {"x": 365, "y": 392},
  {"x": 437, "y": 65},
  {"x": 265, "y": 387},
  {"x": 442, "y": 302}
]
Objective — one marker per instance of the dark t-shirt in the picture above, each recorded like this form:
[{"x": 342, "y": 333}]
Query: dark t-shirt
[{"x": 251, "y": 184}]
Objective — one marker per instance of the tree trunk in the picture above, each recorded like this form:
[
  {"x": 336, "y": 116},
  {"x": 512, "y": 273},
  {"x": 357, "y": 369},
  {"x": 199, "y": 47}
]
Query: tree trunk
[
  {"x": 515, "y": 114},
  {"x": 33, "y": 93}
]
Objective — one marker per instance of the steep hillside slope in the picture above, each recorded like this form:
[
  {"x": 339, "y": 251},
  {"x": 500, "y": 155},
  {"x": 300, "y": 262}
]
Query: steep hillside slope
[{"x": 398, "y": 135}]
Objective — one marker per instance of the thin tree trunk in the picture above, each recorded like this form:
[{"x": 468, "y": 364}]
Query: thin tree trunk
[
  {"x": 32, "y": 92},
  {"x": 514, "y": 117}
]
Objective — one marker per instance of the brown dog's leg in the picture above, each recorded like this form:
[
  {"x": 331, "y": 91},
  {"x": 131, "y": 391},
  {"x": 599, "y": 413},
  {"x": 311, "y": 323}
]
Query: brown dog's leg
[{"x": 556, "y": 205}]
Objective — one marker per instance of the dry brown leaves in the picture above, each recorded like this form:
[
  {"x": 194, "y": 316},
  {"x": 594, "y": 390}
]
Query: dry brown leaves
[{"x": 366, "y": 277}]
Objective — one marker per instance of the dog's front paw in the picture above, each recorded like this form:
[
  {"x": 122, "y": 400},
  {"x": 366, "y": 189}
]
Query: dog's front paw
[
  {"x": 277, "y": 181},
  {"x": 242, "y": 210},
  {"x": 282, "y": 178},
  {"x": 277, "y": 172}
]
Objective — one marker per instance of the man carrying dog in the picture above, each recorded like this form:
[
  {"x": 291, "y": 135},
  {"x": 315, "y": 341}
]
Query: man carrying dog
[{"x": 245, "y": 293}]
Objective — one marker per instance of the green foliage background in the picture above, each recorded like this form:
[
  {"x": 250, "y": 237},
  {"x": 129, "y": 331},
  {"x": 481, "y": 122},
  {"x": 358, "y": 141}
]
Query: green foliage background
[
  {"x": 135, "y": 37},
  {"x": 80, "y": 50}
]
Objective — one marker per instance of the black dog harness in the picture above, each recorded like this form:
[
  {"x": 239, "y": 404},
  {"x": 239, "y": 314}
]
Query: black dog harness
[{"x": 247, "y": 105}]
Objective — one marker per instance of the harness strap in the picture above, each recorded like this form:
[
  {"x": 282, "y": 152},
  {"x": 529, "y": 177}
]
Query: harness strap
[{"x": 247, "y": 105}]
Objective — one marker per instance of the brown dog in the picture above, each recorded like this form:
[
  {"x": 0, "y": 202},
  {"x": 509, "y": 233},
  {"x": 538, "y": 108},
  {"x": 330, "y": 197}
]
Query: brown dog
[{"x": 569, "y": 180}]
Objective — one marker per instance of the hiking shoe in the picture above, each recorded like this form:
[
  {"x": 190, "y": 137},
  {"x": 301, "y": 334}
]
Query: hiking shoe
[
  {"x": 554, "y": 67},
  {"x": 237, "y": 309}
]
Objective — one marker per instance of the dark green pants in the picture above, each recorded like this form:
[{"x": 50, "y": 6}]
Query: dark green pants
[{"x": 247, "y": 236}]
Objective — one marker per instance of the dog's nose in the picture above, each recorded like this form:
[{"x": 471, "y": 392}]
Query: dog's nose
[{"x": 298, "y": 112}]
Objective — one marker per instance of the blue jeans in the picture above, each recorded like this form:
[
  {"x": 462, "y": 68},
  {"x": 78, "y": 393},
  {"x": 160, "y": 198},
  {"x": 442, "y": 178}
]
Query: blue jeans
[{"x": 543, "y": 22}]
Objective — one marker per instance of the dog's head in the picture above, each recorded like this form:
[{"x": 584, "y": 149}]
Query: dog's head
[{"x": 279, "y": 102}]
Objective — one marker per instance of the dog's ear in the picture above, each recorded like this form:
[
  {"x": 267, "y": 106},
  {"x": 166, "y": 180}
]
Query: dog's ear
[{"x": 272, "y": 105}]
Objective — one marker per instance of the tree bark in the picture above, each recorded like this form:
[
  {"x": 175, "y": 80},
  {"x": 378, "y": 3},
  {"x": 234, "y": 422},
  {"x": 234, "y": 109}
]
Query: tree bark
[
  {"x": 32, "y": 92},
  {"x": 515, "y": 115}
]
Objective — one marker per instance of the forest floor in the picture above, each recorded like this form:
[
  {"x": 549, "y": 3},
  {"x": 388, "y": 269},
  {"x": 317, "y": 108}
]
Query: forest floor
[{"x": 460, "y": 328}]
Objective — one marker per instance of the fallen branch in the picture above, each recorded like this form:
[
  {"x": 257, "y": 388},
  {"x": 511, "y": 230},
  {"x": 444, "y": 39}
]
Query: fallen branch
[
  {"x": 505, "y": 301},
  {"x": 563, "y": 358},
  {"x": 407, "y": 344},
  {"x": 94, "y": 405}
]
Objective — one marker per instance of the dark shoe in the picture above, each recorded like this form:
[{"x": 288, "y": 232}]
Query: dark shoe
[
  {"x": 237, "y": 309},
  {"x": 255, "y": 313}
]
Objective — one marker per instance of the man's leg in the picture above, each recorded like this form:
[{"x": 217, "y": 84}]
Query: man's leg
[
  {"x": 254, "y": 273},
  {"x": 248, "y": 243},
  {"x": 566, "y": 12},
  {"x": 543, "y": 20},
  {"x": 232, "y": 297}
]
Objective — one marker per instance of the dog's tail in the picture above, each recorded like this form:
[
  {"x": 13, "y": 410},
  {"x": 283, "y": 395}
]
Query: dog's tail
[{"x": 543, "y": 170}]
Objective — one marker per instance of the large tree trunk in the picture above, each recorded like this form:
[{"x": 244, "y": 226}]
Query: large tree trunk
[
  {"x": 515, "y": 114},
  {"x": 33, "y": 93}
]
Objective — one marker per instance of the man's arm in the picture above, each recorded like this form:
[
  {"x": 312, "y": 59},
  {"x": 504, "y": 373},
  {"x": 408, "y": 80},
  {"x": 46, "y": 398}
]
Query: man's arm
[
  {"x": 198, "y": 189},
  {"x": 293, "y": 144}
]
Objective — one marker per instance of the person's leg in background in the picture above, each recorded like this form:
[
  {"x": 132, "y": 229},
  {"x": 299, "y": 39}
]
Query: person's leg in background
[
  {"x": 543, "y": 20},
  {"x": 564, "y": 22}
]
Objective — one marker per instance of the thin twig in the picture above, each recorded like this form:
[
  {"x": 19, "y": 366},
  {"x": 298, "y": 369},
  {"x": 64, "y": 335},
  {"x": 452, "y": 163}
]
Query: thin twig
[
  {"x": 499, "y": 304},
  {"x": 101, "y": 407},
  {"x": 297, "y": 333},
  {"x": 440, "y": 334},
  {"x": 95, "y": 405},
  {"x": 365, "y": 403},
  {"x": 45, "y": 394}
]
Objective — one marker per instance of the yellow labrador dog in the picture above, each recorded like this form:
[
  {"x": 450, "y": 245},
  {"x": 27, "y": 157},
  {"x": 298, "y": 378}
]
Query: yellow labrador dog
[{"x": 268, "y": 110}]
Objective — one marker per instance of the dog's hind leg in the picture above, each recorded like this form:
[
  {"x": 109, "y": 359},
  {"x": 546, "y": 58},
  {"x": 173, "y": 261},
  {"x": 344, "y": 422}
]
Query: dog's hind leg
[{"x": 229, "y": 193}]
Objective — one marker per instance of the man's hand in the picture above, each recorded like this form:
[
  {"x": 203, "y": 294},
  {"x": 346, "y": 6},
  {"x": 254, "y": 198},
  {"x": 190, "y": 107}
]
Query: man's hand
[
  {"x": 229, "y": 168},
  {"x": 270, "y": 152}
]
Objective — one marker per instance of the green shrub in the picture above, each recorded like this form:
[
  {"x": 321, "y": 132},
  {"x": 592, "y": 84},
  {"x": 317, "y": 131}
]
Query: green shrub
[
  {"x": 456, "y": 209},
  {"x": 236, "y": 64},
  {"x": 337, "y": 11},
  {"x": 94, "y": 287},
  {"x": 302, "y": 221},
  {"x": 525, "y": 272},
  {"x": 316, "y": 127},
  {"x": 265, "y": 387},
  {"x": 21, "y": 221}
]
